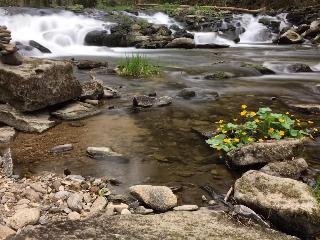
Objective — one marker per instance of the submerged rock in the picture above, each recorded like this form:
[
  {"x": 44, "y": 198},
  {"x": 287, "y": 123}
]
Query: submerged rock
[
  {"x": 287, "y": 169},
  {"x": 299, "y": 67},
  {"x": 75, "y": 111},
  {"x": 187, "y": 93},
  {"x": 289, "y": 37},
  {"x": 260, "y": 68},
  {"x": 36, "y": 122},
  {"x": 100, "y": 152},
  {"x": 37, "y": 83},
  {"x": 159, "y": 198},
  {"x": 265, "y": 152},
  {"x": 38, "y": 46},
  {"x": 288, "y": 204},
  {"x": 7, "y": 134}
]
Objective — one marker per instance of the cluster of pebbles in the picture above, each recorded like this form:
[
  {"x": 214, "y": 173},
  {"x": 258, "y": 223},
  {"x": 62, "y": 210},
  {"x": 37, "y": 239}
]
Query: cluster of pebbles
[{"x": 9, "y": 51}]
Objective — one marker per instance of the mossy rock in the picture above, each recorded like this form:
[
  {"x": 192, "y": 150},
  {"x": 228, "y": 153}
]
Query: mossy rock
[
  {"x": 217, "y": 75},
  {"x": 259, "y": 67}
]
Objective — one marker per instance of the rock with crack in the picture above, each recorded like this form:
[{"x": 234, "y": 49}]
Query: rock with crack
[
  {"x": 7, "y": 134},
  {"x": 75, "y": 111},
  {"x": 147, "y": 101},
  {"x": 37, "y": 83},
  {"x": 159, "y": 198},
  {"x": 265, "y": 152},
  {"x": 288, "y": 204},
  {"x": 26, "y": 122},
  {"x": 288, "y": 169}
]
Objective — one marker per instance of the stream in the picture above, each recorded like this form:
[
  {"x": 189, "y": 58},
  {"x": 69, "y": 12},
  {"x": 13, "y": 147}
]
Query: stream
[{"x": 161, "y": 145}]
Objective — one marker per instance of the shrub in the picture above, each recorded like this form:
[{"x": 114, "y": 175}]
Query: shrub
[
  {"x": 137, "y": 66},
  {"x": 256, "y": 127}
]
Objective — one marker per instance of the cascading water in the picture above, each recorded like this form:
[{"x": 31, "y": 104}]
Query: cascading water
[{"x": 62, "y": 33}]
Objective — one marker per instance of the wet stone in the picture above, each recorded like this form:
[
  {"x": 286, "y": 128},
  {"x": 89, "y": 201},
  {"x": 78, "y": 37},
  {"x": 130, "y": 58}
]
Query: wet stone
[{"x": 62, "y": 148}]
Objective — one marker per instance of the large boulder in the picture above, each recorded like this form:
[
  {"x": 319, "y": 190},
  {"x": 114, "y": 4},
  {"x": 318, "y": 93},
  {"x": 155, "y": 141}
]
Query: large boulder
[
  {"x": 37, "y": 83},
  {"x": 159, "y": 198},
  {"x": 36, "y": 122},
  {"x": 24, "y": 217},
  {"x": 287, "y": 169},
  {"x": 265, "y": 152},
  {"x": 290, "y": 37},
  {"x": 288, "y": 204}
]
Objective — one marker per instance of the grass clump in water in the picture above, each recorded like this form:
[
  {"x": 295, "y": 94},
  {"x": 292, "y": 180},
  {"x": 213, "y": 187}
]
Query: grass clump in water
[{"x": 137, "y": 66}]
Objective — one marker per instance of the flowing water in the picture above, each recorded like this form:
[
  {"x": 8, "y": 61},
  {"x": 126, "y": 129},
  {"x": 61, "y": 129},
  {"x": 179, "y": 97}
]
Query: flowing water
[{"x": 160, "y": 145}]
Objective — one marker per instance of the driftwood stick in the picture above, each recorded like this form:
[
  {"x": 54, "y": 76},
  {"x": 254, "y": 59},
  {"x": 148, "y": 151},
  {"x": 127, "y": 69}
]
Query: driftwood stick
[{"x": 231, "y": 9}]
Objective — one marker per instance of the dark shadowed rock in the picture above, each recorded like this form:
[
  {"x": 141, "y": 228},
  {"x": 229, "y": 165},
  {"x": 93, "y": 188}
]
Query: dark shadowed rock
[
  {"x": 146, "y": 101},
  {"x": 159, "y": 198},
  {"x": 38, "y": 46},
  {"x": 265, "y": 152},
  {"x": 37, "y": 83},
  {"x": 288, "y": 204},
  {"x": 89, "y": 64},
  {"x": 36, "y": 122},
  {"x": 259, "y": 67},
  {"x": 212, "y": 46},
  {"x": 183, "y": 42},
  {"x": 299, "y": 67},
  {"x": 187, "y": 93},
  {"x": 288, "y": 169},
  {"x": 14, "y": 59}
]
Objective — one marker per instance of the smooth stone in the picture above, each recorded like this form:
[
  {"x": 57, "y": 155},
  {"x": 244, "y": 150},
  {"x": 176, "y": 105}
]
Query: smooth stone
[
  {"x": 62, "y": 148},
  {"x": 76, "y": 111},
  {"x": 24, "y": 217},
  {"x": 89, "y": 64},
  {"x": 75, "y": 202},
  {"x": 6, "y": 232},
  {"x": 117, "y": 207},
  {"x": 183, "y": 42},
  {"x": 38, "y": 188},
  {"x": 7, "y": 134},
  {"x": 101, "y": 152},
  {"x": 74, "y": 216},
  {"x": 143, "y": 211},
  {"x": 159, "y": 198},
  {"x": 186, "y": 208},
  {"x": 98, "y": 205},
  {"x": 187, "y": 93},
  {"x": 125, "y": 212},
  {"x": 35, "y": 122}
]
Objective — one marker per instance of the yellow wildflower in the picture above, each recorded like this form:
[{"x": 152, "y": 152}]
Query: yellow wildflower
[
  {"x": 218, "y": 129},
  {"x": 260, "y": 140},
  {"x": 243, "y": 113},
  {"x": 287, "y": 113},
  {"x": 250, "y": 139},
  {"x": 315, "y": 129},
  {"x": 257, "y": 120},
  {"x": 281, "y": 133},
  {"x": 281, "y": 120},
  {"x": 226, "y": 140},
  {"x": 243, "y": 106},
  {"x": 244, "y": 133},
  {"x": 237, "y": 140},
  {"x": 310, "y": 122},
  {"x": 220, "y": 121},
  {"x": 222, "y": 126},
  {"x": 298, "y": 120},
  {"x": 271, "y": 130},
  {"x": 224, "y": 131},
  {"x": 252, "y": 114},
  {"x": 298, "y": 124}
]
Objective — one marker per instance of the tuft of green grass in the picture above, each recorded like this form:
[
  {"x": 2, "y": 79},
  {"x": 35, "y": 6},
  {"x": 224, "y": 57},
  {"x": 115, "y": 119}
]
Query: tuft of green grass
[{"x": 137, "y": 66}]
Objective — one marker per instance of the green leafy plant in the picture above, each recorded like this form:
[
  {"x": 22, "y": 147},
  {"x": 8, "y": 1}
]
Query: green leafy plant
[
  {"x": 316, "y": 190},
  {"x": 137, "y": 66},
  {"x": 256, "y": 127}
]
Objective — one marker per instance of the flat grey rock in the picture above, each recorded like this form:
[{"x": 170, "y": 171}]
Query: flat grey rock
[{"x": 75, "y": 111}]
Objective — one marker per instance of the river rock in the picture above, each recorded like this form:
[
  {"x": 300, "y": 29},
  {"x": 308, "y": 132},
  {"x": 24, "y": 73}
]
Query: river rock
[
  {"x": 75, "y": 202},
  {"x": 290, "y": 37},
  {"x": 32, "y": 195},
  {"x": 38, "y": 188},
  {"x": 92, "y": 90},
  {"x": 309, "y": 108},
  {"x": 98, "y": 152},
  {"x": 147, "y": 101},
  {"x": 287, "y": 203},
  {"x": 186, "y": 208},
  {"x": 159, "y": 198},
  {"x": 143, "y": 211},
  {"x": 6, "y": 163},
  {"x": 37, "y": 83},
  {"x": 98, "y": 205},
  {"x": 24, "y": 217},
  {"x": 74, "y": 216},
  {"x": 62, "y": 195},
  {"x": 299, "y": 67},
  {"x": 89, "y": 64},
  {"x": 265, "y": 152},
  {"x": 259, "y": 67},
  {"x": 36, "y": 122},
  {"x": 6, "y": 232},
  {"x": 75, "y": 111},
  {"x": 14, "y": 59},
  {"x": 7, "y": 134},
  {"x": 62, "y": 148},
  {"x": 38, "y": 46},
  {"x": 183, "y": 42},
  {"x": 287, "y": 169},
  {"x": 187, "y": 93}
]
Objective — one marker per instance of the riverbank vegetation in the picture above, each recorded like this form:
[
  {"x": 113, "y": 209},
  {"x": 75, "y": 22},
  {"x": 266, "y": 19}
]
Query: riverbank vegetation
[
  {"x": 137, "y": 66},
  {"x": 258, "y": 126}
]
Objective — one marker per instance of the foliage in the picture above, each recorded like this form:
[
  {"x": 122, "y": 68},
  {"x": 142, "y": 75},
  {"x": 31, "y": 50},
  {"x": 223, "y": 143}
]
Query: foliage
[
  {"x": 256, "y": 127},
  {"x": 137, "y": 66},
  {"x": 316, "y": 190}
]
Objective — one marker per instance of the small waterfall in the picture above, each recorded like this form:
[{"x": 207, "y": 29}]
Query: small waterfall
[
  {"x": 211, "y": 37},
  {"x": 62, "y": 33}
]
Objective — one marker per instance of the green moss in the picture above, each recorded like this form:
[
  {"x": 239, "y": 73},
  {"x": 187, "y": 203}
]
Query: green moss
[{"x": 260, "y": 68}]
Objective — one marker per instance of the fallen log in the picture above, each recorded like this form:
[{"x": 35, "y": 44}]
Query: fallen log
[{"x": 231, "y": 9}]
